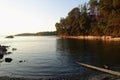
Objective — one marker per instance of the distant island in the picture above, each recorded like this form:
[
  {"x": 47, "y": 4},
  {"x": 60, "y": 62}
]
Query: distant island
[{"x": 47, "y": 33}]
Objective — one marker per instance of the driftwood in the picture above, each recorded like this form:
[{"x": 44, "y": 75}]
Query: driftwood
[{"x": 99, "y": 69}]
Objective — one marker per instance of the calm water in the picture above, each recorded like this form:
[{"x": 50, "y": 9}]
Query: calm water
[{"x": 53, "y": 56}]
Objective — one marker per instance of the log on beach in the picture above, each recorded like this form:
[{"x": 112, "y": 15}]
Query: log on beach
[{"x": 99, "y": 69}]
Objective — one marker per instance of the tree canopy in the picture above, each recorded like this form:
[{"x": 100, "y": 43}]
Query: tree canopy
[{"x": 97, "y": 17}]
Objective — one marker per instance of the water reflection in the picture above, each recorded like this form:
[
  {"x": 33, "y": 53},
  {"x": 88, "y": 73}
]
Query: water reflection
[
  {"x": 97, "y": 53},
  {"x": 68, "y": 53}
]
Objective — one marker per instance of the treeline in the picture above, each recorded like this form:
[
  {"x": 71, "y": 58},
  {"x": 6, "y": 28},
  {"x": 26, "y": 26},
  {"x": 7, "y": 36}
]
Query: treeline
[
  {"x": 96, "y": 18},
  {"x": 47, "y": 33}
]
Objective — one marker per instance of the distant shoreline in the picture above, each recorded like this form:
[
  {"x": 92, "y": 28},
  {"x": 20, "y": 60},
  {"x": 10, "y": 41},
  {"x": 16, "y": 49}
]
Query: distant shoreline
[{"x": 104, "y": 38}]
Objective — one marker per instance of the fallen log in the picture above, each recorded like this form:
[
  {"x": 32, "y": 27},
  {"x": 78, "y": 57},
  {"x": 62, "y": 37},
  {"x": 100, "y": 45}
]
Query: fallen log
[{"x": 99, "y": 69}]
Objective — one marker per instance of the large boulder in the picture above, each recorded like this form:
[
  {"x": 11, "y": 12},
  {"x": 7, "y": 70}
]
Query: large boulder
[{"x": 8, "y": 59}]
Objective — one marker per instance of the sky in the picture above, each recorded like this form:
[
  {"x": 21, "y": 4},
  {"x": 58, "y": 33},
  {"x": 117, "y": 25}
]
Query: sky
[{"x": 30, "y": 16}]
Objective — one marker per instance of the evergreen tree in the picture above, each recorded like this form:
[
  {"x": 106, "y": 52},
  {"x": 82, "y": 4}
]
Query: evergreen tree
[{"x": 102, "y": 17}]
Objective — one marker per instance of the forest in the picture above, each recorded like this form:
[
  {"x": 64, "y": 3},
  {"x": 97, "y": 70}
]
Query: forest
[{"x": 95, "y": 18}]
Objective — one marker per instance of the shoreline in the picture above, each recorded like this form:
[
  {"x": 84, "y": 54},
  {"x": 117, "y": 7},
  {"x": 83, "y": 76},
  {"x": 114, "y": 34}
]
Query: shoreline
[
  {"x": 93, "y": 76},
  {"x": 103, "y": 38}
]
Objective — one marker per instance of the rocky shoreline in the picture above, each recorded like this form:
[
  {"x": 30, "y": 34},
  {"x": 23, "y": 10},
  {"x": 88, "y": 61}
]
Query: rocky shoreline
[
  {"x": 4, "y": 51},
  {"x": 93, "y": 76},
  {"x": 104, "y": 38}
]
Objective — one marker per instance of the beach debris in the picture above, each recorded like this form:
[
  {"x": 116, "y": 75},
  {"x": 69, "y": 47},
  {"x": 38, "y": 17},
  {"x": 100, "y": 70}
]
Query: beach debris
[{"x": 117, "y": 73}]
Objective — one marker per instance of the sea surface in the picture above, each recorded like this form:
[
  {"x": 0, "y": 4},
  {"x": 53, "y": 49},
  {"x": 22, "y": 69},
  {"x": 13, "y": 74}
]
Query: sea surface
[{"x": 45, "y": 56}]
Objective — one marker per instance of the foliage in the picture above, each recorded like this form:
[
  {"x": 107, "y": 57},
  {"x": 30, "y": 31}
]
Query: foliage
[{"x": 98, "y": 17}]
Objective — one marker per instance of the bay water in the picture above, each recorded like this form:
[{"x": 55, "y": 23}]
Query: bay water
[{"x": 44, "y": 56}]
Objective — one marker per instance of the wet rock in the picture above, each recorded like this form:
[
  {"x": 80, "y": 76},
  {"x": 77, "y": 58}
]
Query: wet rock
[
  {"x": 9, "y": 37},
  {"x": 8, "y": 59},
  {"x": 1, "y": 56},
  {"x": 14, "y": 49},
  {"x": 7, "y": 53},
  {"x": 3, "y": 48},
  {"x": 24, "y": 60},
  {"x": 20, "y": 61}
]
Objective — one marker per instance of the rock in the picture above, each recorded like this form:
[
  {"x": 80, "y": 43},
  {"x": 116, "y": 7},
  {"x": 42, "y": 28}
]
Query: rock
[
  {"x": 105, "y": 66},
  {"x": 13, "y": 49},
  {"x": 1, "y": 56},
  {"x": 24, "y": 61},
  {"x": 3, "y": 48},
  {"x": 20, "y": 61},
  {"x": 9, "y": 52},
  {"x": 1, "y": 52},
  {"x": 8, "y": 59},
  {"x": 9, "y": 37}
]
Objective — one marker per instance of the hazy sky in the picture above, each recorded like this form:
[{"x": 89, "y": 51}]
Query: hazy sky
[{"x": 19, "y": 16}]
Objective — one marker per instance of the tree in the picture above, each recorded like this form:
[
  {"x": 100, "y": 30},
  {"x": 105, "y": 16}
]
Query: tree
[{"x": 101, "y": 17}]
